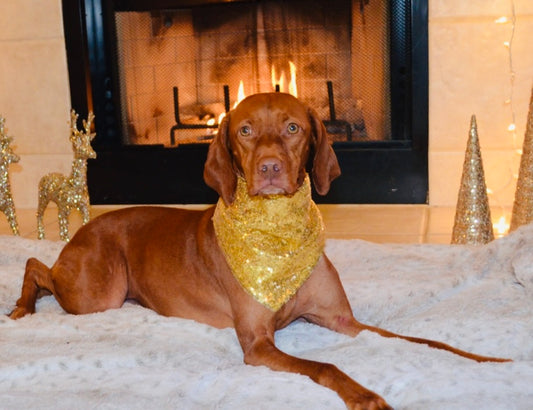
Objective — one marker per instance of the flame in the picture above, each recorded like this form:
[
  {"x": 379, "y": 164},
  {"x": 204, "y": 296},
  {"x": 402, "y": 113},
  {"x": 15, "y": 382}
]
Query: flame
[
  {"x": 221, "y": 117},
  {"x": 273, "y": 77},
  {"x": 278, "y": 81},
  {"x": 281, "y": 80},
  {"x": 292, "y": 84},
  {"x": 240, "y": 96}
]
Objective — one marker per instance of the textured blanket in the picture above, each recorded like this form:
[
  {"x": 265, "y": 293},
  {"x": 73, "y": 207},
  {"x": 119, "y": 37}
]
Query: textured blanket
[{"x": 475, "y": 298}]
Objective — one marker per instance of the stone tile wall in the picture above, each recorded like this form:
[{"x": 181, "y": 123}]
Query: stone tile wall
[{"x": 34, "y": 92}]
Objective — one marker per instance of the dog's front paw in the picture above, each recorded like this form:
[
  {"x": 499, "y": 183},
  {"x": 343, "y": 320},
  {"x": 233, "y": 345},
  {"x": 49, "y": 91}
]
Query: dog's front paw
[{"x": 367, "y": 400}]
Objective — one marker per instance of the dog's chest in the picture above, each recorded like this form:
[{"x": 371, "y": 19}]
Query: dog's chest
[{"x": 271, "y": 244}]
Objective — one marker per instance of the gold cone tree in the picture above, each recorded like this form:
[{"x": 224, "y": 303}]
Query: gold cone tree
[
  {"x": 473, "y": 224},
  {"x": 523, "y": 200}
]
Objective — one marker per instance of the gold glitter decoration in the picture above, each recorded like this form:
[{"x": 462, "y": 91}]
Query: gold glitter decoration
[
  {"x": 69, "y": 192},
  {"x": 523, "y": 200},
  {"x": 7, "y": 156},
  {"x": 271, "y": 243},
  {"x": 473, "y": 224}
]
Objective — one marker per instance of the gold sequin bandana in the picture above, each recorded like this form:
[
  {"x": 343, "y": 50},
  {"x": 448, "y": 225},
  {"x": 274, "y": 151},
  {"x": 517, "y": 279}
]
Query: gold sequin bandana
[{"x": 270, "y": 243}]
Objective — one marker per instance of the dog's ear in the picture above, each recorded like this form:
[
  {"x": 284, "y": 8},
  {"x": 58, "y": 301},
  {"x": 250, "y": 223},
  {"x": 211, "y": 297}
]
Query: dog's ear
[
  {"x": 325, "y": 165},
  {"x": 219, "y": 173}
]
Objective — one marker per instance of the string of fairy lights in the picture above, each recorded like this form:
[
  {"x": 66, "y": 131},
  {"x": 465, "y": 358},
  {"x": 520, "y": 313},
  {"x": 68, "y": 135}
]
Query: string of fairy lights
[
  {"x": 508, "y": 45},
  {"x": 502, "y": 226}
]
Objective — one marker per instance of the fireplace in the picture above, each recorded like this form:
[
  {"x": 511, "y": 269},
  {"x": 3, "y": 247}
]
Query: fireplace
[{"x": 160, "y": 75}]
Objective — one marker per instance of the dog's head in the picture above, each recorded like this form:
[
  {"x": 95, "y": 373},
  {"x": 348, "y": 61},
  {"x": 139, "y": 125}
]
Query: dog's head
[{"x": 267, "y": 139}]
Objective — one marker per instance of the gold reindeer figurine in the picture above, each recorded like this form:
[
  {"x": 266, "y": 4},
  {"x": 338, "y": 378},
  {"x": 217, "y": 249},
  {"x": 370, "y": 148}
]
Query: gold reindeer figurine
[
  {"x": 7, "y": 156},
  {"x": 69, "y": 192}
]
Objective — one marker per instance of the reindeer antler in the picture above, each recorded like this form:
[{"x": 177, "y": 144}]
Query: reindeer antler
[
  {"x": 87, "y": 125},
  {"x": 75, "y": 134},
  {"x": 3, "y": 132}
]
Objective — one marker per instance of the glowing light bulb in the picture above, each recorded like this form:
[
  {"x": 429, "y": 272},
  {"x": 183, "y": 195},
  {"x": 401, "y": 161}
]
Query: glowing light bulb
[{"x": 501, "y": 227}]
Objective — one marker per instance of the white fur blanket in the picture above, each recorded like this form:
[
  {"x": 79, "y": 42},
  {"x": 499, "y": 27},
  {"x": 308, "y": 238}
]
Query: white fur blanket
[{"x": 475, "y": 298}]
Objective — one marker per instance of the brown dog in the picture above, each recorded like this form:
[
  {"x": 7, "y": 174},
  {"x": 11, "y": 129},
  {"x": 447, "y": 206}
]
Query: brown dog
[{"x": 177, "y": 262}]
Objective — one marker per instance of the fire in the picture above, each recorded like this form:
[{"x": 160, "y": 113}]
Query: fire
[
  {"x": 240, "y": 94},
  {"x": 292, "y": 84},
  {"x": 274, "y": 78},
  {"x": 278, "y": 81},
  {"x": 221, "y": 117},
  {"x": 281, "y": 80}
]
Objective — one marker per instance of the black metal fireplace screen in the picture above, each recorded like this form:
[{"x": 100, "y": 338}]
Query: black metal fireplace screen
[{"x": 160, "y": 74}]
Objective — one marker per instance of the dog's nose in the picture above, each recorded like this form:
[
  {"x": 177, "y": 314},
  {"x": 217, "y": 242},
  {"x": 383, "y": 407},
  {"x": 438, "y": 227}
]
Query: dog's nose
[{"x": 270, "y": 167}]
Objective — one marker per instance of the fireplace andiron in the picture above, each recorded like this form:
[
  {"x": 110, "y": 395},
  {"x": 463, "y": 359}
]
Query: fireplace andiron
[
  {"x": 181, "y": 126},
  {"x": 333, "y": 125}
]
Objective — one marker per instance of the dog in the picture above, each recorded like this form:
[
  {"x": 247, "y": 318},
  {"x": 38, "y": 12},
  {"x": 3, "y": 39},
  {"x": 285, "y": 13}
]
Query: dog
[{"x": 210, "y": 265}]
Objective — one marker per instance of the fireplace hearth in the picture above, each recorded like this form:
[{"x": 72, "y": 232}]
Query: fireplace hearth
[{"x": 160, "y": 75}]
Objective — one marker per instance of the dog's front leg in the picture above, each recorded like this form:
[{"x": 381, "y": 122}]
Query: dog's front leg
[{"x": 259, "y": 350}]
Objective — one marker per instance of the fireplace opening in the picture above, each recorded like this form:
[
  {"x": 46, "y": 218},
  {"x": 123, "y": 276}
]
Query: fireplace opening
[
  {"x": 160, "y": 75},
  {"x": 180, "y": 70}
]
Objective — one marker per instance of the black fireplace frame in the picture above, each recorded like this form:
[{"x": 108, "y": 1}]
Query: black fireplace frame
[{"x": 387, "y": 172}]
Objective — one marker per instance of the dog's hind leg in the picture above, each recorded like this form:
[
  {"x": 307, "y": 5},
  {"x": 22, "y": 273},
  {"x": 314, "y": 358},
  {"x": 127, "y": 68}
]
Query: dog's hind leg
[
  {"x": 330, "y": 308},
  {"x": 431, "y": 343},
  {"x": 36, "y": 279}
]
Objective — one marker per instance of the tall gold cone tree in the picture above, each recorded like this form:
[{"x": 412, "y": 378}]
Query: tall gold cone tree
[
  {"x": 523, "y": 199},
  {"x": 473, "y": 224}
]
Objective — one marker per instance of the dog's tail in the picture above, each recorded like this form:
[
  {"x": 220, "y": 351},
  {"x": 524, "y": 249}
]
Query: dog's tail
[
  {"x": 37, "y": 282},
  {"x": 435, "y": 344}
]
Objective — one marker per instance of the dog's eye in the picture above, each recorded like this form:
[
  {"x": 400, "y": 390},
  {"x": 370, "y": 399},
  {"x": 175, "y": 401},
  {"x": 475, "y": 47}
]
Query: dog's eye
[
  {"x": 293, "y": 128},
  {"x": 245, "y": 131}
]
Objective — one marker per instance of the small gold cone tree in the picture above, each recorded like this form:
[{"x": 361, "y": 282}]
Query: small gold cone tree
[{"x": 473, "y": 224}]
